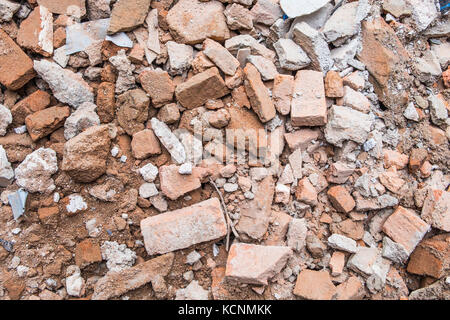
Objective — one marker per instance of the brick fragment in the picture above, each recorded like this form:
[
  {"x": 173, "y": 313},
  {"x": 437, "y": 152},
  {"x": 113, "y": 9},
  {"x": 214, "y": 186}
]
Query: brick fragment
[
  {"x": 223, "y": 59},
  {"x": 405, "y": 228},
  {"x": 334, "y": 85},
  {"x": 314, "y": 285},
  {"x": 255, "y": 264},
  {"x": 36, "y": 101},
  {"x": 394, "y": 158},
  {"x": 44, "y": 122},
  {"x": 436, "y": 209},
  {"x": 75, "y": 8},
  {"x": 308, "y": 106},
  {"x": 158, "y": 84},
  {"x": 341, "y": 199},
  {"x": 431, "y": 257},
  {"x": 258, "y": 95},
  {"x": 16, "y": 68},
  {"x": 201, "y": 88},
  {"x": 116, "y": 283},
  {"x": 306, "y": 192},
  {"x": 283, "y": 86},
  {"x": 87, "y": 252},
  {"x": 175, "y": 185},
  {"x": 36, "y": 32},
  {"x": 145, "y": 144},
  {"x": 106, "y": 102},
  {"x": 183, "y": 228}
]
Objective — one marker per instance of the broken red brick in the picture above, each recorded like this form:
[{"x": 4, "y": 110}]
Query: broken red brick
[
  {"x": 341, "y": 199},
  {"x": 87, "y": 252},
  {"x": 431, "y": 257},
  {"x": 405, "y": 228},
  {"x": 44, "y": 122},
  {"x": 258, "y": 94},
  {"x": 334, "y": 85},
  {"x": 183, "y": 228},
  {"x": 314, "y": 285},
  {"x": 145, "y": 144},
  {"x": 16, "y": 68},
  {"x": 201, "y": 88},
  {"x": 308, "y": 106},
  {"x": 36, "y": 101}
]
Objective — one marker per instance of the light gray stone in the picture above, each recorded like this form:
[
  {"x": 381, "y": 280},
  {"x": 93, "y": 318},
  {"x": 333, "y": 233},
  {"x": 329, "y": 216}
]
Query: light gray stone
[
  {"x": 6, "y": 171},
  {"x": 5, "y": 119},
  {"x": 291, "y": 56},
  {"x": 83, "y": 118},
  {"x": 315, "y": 46},
  {"x": 169, "y": 140},
  {"x": 34, "y": 174},
  {"x": 67, "y": 86},
  {"x": 347, "y": 124},
  {"x": 180, "y": 57},
  {"x": 340, "y": 242},
  {"x": 293, "y": 8}
]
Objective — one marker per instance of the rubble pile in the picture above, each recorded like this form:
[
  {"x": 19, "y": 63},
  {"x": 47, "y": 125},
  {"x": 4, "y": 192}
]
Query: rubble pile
[{"x": 232, "y": 149}]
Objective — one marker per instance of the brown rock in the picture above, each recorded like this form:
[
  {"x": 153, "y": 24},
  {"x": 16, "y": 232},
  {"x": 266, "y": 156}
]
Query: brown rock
[
  {"x": 314, "y": 285},
  {"x": 158, "y": 84},
  {"x": 145, "y": 144},
  {"x": 17, "y": 146},
  {"x": 334, "y": 85},
  {"x": 339, "y": 172},
  {"x": 36, "y": 32},
  {"x": 308, "y": 106},
  {"x": 192, "y": 21},
  {"x": 87, "y": 252},
  {"x": 44, "y": 122},
  {"x": 106, "y": 102},
  {"x": 16, "y": 68},
  {"x": 36, "y": 101},
  {"x": 128, "y": 15},
  {"x": 254, "y": 264},
  {"x": 183, "y": 228},
  {"x": 132, "y": 110},
  {"x": 85, "y": 155},
  {"x": 431, "y": 257},
  {"x": 59, "y": 37},
  {"x": 283, "y": 86},
  {"x": 115, "y": 284},
  {"x": 258, "y": 94},
  {"x": 384, "y": 57},
  {"x": 341, "y": 199},
  {"x": 201, "y": 88},
  {"x": 405, "y": 228}
]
